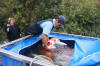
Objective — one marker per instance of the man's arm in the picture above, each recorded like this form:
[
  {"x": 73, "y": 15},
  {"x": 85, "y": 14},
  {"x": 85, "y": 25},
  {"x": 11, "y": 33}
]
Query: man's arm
[
  {"x": 45, "y": 40},
  {"x": 47, "y": 27}
]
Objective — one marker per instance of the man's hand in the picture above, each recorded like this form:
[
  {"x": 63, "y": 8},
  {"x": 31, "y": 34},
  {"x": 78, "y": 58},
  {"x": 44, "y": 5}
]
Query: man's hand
[{"x": 45, "y": 40}]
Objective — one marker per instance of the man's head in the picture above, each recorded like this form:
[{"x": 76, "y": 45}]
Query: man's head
[{"x": 60, "y": 21}]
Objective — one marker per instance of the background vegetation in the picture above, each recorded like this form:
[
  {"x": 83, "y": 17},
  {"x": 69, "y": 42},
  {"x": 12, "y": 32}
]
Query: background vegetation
[{"x": 83, "y": 16}]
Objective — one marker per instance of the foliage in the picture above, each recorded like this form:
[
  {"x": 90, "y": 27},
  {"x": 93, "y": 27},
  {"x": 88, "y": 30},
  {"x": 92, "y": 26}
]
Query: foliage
[{"x": 82, "y": 15}]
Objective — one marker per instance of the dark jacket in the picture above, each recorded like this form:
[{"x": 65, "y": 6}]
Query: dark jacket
[
  {"x": 14, "y": 32},
  {"x": 35, "y": 29}
]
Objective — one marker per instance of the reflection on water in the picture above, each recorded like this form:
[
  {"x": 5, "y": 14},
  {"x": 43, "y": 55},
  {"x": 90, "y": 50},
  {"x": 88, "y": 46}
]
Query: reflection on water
[{"x": 62, "y": 56}]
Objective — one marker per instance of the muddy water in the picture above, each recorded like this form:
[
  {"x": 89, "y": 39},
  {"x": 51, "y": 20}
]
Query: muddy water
[
  {"x": 63, "y": 56},
  {"x": 60, "y": 56}
]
